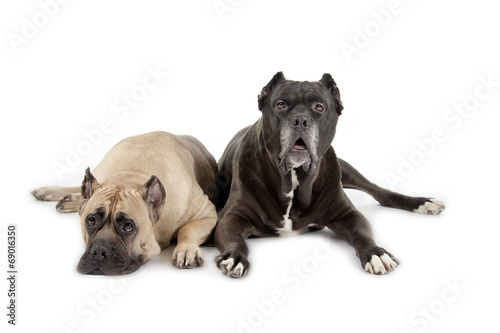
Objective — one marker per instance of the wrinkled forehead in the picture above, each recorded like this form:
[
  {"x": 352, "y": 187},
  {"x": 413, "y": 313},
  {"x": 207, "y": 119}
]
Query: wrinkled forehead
[
  {"x": 110, "y": 202},
  {"x": 129, "y": 201}
]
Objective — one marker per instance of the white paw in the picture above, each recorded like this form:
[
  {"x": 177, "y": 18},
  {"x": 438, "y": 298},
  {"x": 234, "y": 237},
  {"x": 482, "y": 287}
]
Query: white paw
[
  {"x": 431, "y": 207},
  {"x": 227, "y": 267},
  {"x": 381, "y": 265},
  {"x": 187, "y": 256}
]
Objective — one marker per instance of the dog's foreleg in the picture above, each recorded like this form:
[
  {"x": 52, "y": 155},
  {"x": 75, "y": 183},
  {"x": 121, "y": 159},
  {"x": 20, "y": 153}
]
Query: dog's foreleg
[
  {"x": 351, "y": 178},
  {"x": 187, "y": 253},
  {"x": 230, "y": 236},
  {"x": 355, "y": 230}
]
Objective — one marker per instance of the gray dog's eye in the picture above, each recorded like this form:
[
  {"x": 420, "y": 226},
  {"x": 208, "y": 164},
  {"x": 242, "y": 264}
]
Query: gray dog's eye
[
  {"x": 319, "y": 107},
  {"x": 280, "y": 106}
]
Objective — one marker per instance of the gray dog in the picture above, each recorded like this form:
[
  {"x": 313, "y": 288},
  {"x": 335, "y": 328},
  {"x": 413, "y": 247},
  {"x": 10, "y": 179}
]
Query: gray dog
[{"x": 282, "y": 174}]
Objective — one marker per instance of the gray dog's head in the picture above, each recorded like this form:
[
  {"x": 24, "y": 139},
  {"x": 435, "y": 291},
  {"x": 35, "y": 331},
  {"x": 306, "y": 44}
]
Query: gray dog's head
[
  {"x": 117, "y": 225},
  {"x": 302, "y": 117}
]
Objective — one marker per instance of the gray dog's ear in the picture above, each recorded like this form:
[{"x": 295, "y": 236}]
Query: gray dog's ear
[
  {"x": 89, "y": 185},
  {"x": 266, "y": 91},
  {"x": 154, "y": 195},
  {"x": 330, "y": 84}
]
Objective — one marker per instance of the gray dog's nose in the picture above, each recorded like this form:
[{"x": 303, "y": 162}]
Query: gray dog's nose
[
  {"x": 100, "y": 252},
  {"x": 300, "y": 122}
]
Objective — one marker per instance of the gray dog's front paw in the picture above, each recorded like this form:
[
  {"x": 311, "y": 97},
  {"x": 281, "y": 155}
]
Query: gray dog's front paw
[
  {"x": 378, "y": 261},
  {"x": 187, "y": 256},
  {"x": 232, "y": 263}
]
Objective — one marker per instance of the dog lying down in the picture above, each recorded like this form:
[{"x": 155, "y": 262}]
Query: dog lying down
[
  {"x": 148, "y": 190},
  {"x": 279, "y": 175},
  {"x": 284, "y": 176}
]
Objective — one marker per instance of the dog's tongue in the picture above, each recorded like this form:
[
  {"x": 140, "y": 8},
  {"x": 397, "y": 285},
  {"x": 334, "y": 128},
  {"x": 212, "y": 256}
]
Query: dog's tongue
[{"x": 299, "y": 144}]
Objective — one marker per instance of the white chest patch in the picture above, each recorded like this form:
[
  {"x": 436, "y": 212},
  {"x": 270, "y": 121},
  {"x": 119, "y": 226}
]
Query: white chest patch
[{"x": 287, "y": 222}]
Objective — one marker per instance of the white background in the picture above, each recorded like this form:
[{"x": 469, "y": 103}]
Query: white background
[{"x": 65, "y": 78}]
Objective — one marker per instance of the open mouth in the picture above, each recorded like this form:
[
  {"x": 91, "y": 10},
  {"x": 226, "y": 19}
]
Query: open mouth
[
  {"x": 295, "y": 156},
  {"x": 298, "y": 150},
  {"x": 299, "y": 145}
]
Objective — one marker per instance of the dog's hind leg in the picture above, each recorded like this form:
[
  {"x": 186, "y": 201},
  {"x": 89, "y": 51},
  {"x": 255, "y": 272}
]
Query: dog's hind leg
[
  {"x": 53, "y": 193},
  {"x": 352, "y": 179},
  {"x": 68, "y": 198},
  {"x": 69, "y": 203}
]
